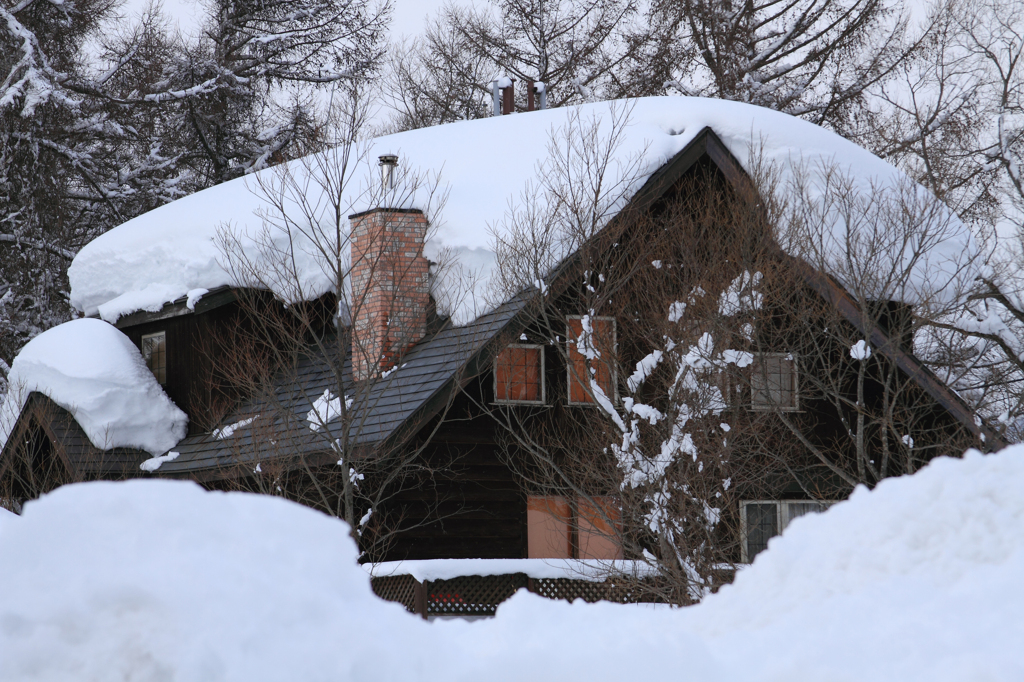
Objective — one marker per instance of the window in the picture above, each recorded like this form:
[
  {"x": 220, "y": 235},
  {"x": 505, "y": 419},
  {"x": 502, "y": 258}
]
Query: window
[
  {"x": 773, "y": 383},
  {"x": 555, "y": 531},
  {"x": 601, "y": 368},
  {"x": 596, "y": 536},
  {"x": 763, "y": 520},
  {"x": 547, "y": 528},
  {"x": 519, "y": 375},
  {"x": 154, "y": 351}
]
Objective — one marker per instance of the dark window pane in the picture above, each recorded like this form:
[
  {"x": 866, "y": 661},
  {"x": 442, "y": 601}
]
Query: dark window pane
[
  {"x": 762, "y": 525},
  {"x": 154, "y": 352},
  {"x": 773, "y": 382},
  {"x": 795, "y": 509}
]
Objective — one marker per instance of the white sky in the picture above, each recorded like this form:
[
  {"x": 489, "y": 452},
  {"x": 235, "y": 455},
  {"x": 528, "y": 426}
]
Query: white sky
[{"x": 408, "y": 19}]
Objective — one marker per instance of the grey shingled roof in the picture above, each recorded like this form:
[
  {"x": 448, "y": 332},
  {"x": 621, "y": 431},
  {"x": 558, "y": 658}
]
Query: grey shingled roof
[
  {"x": 391, "y": 408},
  {"x": 67, "y": 435}
]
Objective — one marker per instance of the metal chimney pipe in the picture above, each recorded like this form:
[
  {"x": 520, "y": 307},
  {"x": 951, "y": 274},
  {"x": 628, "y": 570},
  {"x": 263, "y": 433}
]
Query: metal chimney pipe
[
  {"x": 495, "y": 98},
  {"x": 542, "y": 92},
  {"x": 388, "y": 163}
]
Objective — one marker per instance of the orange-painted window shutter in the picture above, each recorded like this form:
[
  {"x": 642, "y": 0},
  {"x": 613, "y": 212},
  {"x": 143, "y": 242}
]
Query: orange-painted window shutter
[
  {"x": 604, "y": 341},
  {"x": 517, "y": 375}
]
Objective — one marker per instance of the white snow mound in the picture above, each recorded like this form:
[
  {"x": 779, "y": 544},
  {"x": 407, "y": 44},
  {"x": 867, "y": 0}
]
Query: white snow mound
[
  {"x": 170, "y": 251},
  {"x": 91, "y": 369},
  {"x": 918, "y": 579},
  {"x": 6, "y": 518}
]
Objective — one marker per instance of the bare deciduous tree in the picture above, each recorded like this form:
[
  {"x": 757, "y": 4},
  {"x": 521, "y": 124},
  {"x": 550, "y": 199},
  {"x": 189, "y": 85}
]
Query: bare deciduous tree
[
  {"x": 707, "y": 355},
  {"x": 952, "y": 120},
  {"x": 574, "y": 48},
  {"x": 301, "y": 345},
  {"x": 815, "y": 58}
]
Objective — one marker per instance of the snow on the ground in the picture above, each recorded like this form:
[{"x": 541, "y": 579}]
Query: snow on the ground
[
  {"x": 484, "y": 164},
  {"x": 915, "y": 580},
  {"x": 6, "y": 518},
  {"x": 155, "y": 579},
  {"x": 446, "y": 569},
  {"x": 91, "y": 369}
]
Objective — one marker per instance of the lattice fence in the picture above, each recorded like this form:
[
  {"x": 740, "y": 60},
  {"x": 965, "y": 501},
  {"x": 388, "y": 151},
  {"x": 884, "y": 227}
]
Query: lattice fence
[
  {"x": 481, "y": 595},
  {"x": 399, "y": 588},
  {"x": 471, "y": 595}
]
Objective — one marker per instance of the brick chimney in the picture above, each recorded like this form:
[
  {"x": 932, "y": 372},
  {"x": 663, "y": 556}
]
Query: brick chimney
[{"x": 390, "y": 288}]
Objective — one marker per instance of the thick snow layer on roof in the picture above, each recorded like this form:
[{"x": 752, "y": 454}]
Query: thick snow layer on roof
[
  {"x": 918, "y": 579},
  {"x": 91, "y": 369},
  {"x": 485, "y": 164}
]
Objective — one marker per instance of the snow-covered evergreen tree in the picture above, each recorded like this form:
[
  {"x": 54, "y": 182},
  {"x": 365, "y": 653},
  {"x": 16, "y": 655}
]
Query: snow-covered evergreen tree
[
  {"x": 70, "y": 167},
  {"x": 99, "y": 124}
]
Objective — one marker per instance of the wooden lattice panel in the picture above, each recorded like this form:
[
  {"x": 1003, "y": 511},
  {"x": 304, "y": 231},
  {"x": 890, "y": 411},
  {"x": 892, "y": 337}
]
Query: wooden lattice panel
[
  {"x": 570, "y": 590},
  {"x": 481, "y": 595},
  {"x": 471, "y": 595},
  {"x": 399, "y": 588}
]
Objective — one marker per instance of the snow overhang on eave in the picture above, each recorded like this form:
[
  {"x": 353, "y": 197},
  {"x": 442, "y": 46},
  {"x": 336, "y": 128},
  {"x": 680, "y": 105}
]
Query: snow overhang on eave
[{"x": 215, "y": 298}]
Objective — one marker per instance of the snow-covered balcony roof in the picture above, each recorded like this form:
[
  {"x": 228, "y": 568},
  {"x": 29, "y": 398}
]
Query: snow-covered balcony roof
[{"x": 485, "y": 165}]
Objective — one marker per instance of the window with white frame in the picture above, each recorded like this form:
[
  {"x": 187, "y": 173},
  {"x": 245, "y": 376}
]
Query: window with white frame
[
  {"x": 774, "y": 383},
  {"x": 600, "y": 337},
  {"x": 154, "y": 352},
  {"x": 519, "y": 375},
  {"x": 761, "y": 520}
]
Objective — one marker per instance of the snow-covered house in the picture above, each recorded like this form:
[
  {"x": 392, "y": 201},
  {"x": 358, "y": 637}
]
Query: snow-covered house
[{"x": 416, "y": 360}]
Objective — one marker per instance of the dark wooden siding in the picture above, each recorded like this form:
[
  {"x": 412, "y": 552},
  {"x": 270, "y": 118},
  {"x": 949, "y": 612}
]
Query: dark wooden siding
[
  {"x": 475, "y": 506},
  {"x": 191, "y": 355}
]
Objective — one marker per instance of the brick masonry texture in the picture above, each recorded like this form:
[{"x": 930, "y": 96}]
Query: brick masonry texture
[{"x": 390, "y": 288}]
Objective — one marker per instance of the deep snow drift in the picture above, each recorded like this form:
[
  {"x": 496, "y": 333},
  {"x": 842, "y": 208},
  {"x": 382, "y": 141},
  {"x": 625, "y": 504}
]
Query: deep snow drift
[
  {"x": 485, "y": 164},
  {"x": 916, "y": 580},
  {"x": 91, "y": 369}
]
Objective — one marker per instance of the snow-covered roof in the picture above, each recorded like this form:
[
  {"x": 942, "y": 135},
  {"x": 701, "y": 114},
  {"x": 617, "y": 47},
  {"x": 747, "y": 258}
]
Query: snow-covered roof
[
  {"x": 91, "y": 369},
  {"x": 485, "y": 164}
]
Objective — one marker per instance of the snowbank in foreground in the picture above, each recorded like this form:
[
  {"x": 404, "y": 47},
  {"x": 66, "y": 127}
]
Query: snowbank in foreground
[
  {"x": 170, "y": 251},
  {"x": 91, "y": 369},
  {"x": 917, "y": 580},
  {"x": 6, "y": 518}
]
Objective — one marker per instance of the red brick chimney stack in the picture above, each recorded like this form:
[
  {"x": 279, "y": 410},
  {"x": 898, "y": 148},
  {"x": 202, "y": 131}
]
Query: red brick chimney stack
[{"x": 390, "y": 287}]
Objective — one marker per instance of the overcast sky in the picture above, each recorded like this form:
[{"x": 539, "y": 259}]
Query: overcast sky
[{"x": 408, "y": 18}]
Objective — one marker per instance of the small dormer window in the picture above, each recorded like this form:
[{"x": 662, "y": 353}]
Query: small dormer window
[{"x": 154, "y": 351}]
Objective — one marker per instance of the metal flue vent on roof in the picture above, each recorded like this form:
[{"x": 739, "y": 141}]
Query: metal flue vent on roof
[{"x": 388, "y": 165}]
